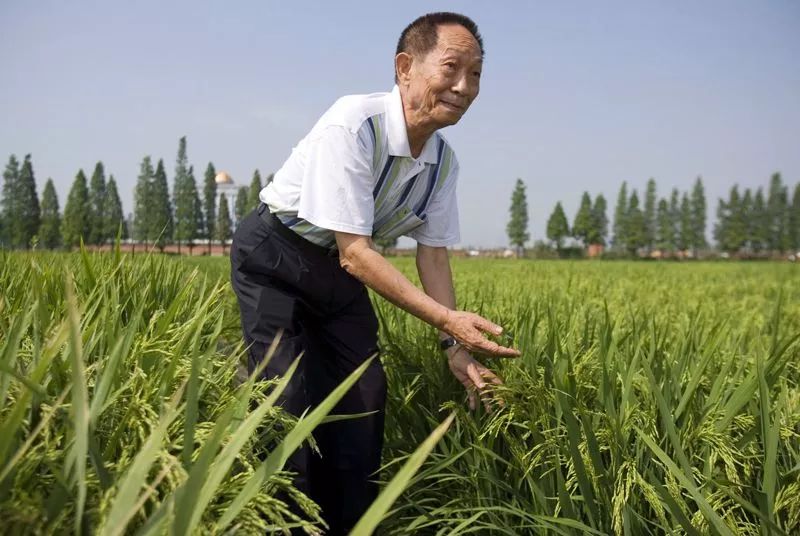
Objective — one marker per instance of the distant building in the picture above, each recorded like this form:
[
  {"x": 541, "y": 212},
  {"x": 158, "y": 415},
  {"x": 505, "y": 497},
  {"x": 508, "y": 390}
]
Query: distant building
[{"x": 226, "y": 186}]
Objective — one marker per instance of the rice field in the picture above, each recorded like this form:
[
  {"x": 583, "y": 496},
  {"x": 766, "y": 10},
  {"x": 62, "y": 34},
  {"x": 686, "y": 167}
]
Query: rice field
[{"x": 651, "y": 398}]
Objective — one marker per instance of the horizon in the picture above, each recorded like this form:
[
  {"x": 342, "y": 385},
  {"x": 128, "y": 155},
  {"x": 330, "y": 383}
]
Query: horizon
[{"x": 572, "y": 100}]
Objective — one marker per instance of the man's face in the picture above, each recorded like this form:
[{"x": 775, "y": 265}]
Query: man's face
[{"x": 441, "y": 85}]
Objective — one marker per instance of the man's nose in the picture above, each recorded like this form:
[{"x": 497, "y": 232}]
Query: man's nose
[{"x": 463, "y": 86}]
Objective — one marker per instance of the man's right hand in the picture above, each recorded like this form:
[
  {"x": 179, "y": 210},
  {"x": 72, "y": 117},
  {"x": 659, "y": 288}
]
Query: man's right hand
[{"x": 469, "y": 328}]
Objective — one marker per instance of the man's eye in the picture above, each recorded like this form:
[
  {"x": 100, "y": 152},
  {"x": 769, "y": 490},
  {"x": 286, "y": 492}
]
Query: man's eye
[
  {"x": 476, "y": 74},
  {"x": 450, "y": 66}
]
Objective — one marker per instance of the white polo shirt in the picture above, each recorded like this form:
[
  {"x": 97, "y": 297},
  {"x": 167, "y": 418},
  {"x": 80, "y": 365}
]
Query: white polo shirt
[{"x": 354, "y": 173}]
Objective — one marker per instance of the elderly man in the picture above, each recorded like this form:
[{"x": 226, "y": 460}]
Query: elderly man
[{"x": 373, "y": 167}]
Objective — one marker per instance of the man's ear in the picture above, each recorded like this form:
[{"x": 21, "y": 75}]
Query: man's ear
[{"x": 402, "y": 67}]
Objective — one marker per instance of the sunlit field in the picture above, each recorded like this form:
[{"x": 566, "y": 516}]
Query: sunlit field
[{"x": 650, "y": 398}]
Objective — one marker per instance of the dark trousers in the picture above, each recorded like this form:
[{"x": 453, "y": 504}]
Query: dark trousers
[{"x": 285, "y": 283}]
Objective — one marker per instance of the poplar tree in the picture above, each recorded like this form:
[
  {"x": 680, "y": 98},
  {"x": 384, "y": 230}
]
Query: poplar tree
[
  {"x": 599, "y": 230},
  {"x": 634, "y": 225},
  {"x": 198, "y": 209},
  {"x": 665, "y": 230},
  {"x": 255, "y": 189},
  {"x": 650, "y": 215},
  {"x": 142, "y": 207},
  {"x": 10, "y": 200},
  {"x": 794, "y": 221},
  {"x": 698, "y": 216},
  {"x": 582, "y": 225},
  {"x": 222, "y": 227},
  {"x": 50, "y": 228},
  {"x": 731, "y": 228},
  {"x": 759, "y": 226},
  {"x": 777, "y": 215},
  {"x": 242, "y": 204},
  {"x": 29, "y": 211},
  {"x": 685, "y": 224},
  {"x": 620, "y": 213},
  {"x": 675, "y": 217},
  {"x": 162, "y": 224},
  {"x": 209, "y": 203},
  {"x": 183, "y": 198},
  {"x": 77, "y": 215},
  {"x": 517, "y": 227},
  {"x": 557, "y": 226},
  {"x": 114, "y": 216},
  {"x": 747, "y": 215},
  {"x": 97, "y": 203}
]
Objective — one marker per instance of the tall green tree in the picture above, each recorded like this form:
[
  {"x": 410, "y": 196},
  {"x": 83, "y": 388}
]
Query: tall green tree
[
  {"x": 794, "y": 221},
  {"x": 777, "y": 214},
  {"x": 599, "y": 230},
  {"x": 142, "y": 207},
  {"x": 557, "y": 226},
  {"x": 255, "y": 190},
  {"x": 50, "y": 228},
  {"x": 698, "y": 216},
  {"x": 685, "y": 224},
  {"x": 650, "y": 222},
  {"x": 29, "y": 210},
  {"x": 162, "y": 222},
  {"x": 760, "y": 224},
  {"x": 114, "y": 216},
  {"x": 675, "y": 216},
  {"x": 222, "y": 227},
  {"x": 199, "y": 223},
  {"x": 665, "y": 230},
  {"x": 517, "y": 227},
  {"x": 210, "y": 203},
  {"x": 583, "y": 225},
  {"x": 97, "y": 206},
  {"x": 747, "y": 214},
  {"x": 620, "y": 213},
  {"x": 242, "y": 204},
  {"x": 77, "y": 213},
  {"x": 10, "y": 209},
  {"x": 183, "y": 198},
  {"x": 635, "y": 225},
  {"x": 731, "y": 229}
]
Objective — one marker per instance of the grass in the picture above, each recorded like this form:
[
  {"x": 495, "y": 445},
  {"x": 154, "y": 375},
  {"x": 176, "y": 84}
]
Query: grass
[{"x": 651, "y": 398}]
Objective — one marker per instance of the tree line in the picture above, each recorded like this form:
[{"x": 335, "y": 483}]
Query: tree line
[
  {"x": 94, "y": 215},
  {"x": 748, "y": 224}
]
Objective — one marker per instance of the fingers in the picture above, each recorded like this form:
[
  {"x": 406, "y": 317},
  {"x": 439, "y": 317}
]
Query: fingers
[
  {"x": 487, "y": 325},
  {"x": 485, "y": 346}
]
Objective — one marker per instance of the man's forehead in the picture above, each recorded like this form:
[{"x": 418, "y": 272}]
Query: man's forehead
[{"x": 457, "y": 39}]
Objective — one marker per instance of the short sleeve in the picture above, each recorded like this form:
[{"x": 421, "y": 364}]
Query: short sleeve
[
  {"x": 336, "y": 190},
  {"x": 441, "y": 227}
]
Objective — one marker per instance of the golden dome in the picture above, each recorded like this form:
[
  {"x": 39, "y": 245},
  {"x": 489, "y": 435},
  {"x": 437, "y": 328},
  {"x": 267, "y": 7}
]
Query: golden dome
[{"x": 223, "y": 178}]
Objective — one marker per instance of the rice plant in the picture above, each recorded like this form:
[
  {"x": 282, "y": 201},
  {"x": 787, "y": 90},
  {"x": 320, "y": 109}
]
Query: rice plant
[{"x": 650, "y": 399}]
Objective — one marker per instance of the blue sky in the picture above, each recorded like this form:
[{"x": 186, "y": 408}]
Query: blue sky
[{"x": 575, "y": 95}]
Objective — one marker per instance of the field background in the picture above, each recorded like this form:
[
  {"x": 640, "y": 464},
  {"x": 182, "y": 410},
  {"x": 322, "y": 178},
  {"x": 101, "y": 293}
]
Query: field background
[
  {"x": 587, "y": 332},
  {"x": 650, "y": 398}
]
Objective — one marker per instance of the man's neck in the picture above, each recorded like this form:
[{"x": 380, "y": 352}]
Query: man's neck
[{"x": 417, "y": 130}]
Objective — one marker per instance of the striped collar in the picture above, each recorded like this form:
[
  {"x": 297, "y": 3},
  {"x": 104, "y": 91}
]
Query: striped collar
[{"x": 398, "y": 135}]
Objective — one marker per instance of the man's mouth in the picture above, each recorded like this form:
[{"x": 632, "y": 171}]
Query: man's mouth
[{"x": 452, "y": 106}]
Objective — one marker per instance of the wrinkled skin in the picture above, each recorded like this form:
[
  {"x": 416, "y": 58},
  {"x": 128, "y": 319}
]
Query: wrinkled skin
[{"x": 438, "y": 88}]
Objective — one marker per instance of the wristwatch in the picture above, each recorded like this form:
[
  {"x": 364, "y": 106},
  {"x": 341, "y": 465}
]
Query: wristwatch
[{"x": 447, "y": 343}]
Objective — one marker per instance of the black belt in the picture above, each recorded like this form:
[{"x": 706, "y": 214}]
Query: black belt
[{"x": 301, "y": 243}]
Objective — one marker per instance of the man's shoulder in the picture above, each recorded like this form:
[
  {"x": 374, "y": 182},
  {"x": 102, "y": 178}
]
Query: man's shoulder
[
  {"x": 447, "y": 150},
  {"x": 351, "y": 111}
]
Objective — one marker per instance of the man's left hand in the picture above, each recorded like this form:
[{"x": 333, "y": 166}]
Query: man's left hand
[{"x": 475, "y": 378}]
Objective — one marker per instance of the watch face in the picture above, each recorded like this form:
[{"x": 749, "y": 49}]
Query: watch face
[{"x": 449, "y": 342}]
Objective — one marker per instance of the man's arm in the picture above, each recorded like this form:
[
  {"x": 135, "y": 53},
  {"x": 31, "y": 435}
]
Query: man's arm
[
  {"x": 360, "y": 260},
  {"x": 433, "y": 266}
]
